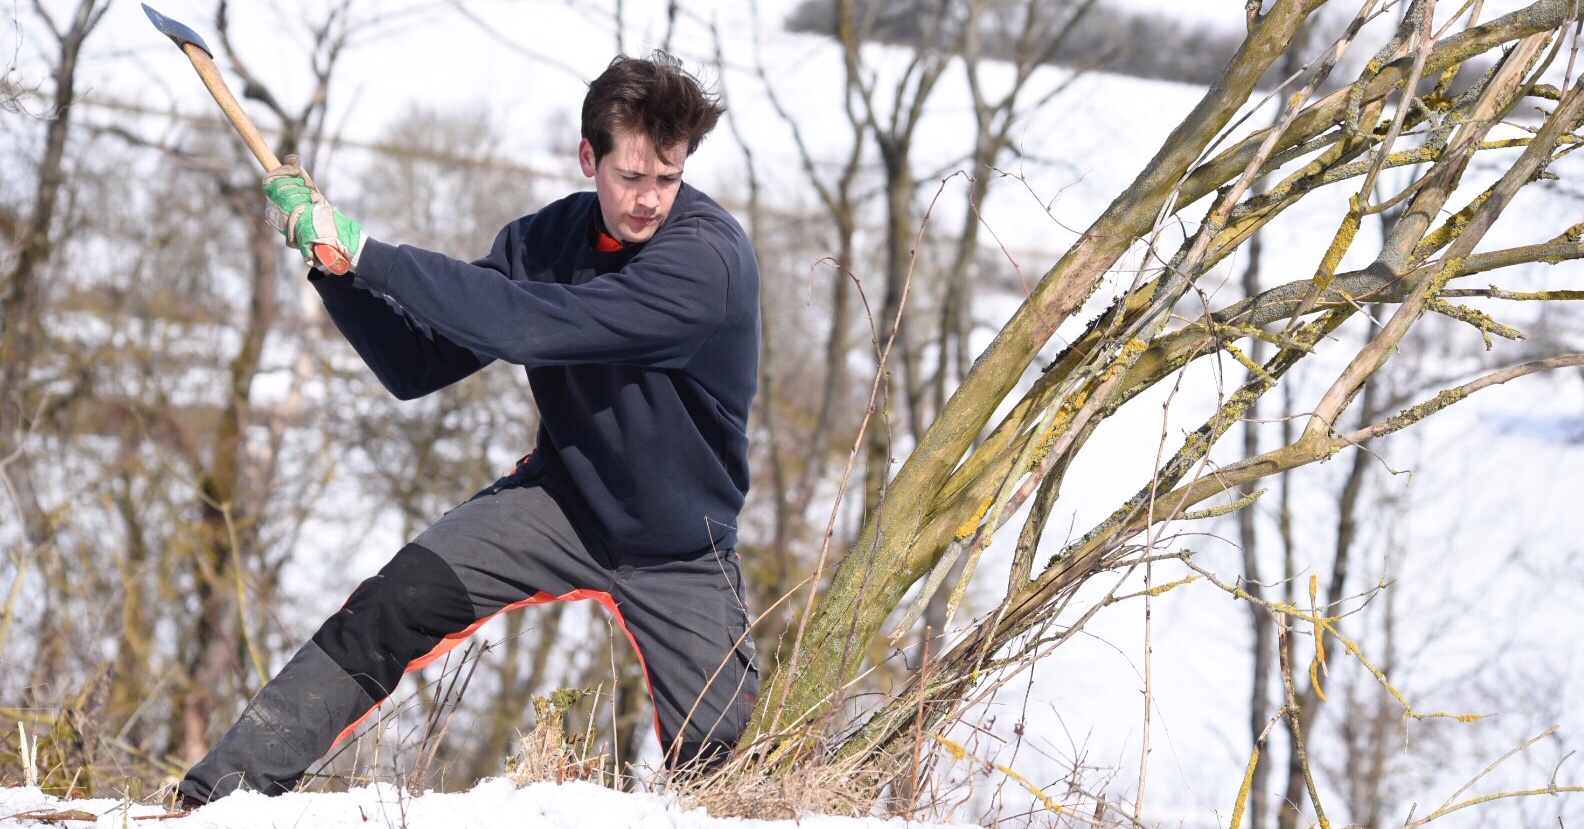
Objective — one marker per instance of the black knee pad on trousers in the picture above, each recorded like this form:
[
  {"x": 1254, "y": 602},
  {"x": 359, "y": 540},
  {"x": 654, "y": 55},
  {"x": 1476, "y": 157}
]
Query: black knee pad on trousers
[{"x": 394, "y": 618}]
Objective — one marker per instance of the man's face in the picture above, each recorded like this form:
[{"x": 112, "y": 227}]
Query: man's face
[{"x": 635, "y": 187}]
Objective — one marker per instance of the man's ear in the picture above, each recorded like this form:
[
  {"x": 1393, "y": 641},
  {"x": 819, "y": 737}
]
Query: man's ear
[{"x": 586, "y": 157}]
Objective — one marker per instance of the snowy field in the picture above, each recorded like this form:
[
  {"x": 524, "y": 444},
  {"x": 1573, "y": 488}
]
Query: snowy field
[{"x": 492, "y": 803}]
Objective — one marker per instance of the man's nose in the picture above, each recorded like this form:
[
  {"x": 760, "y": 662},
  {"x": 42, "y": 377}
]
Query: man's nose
[{"x": 648, "y": 196}]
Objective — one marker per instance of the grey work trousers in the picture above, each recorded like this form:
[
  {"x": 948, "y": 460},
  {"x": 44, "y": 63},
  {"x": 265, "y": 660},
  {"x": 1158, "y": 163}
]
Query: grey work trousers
[{"x": 511, "y": 545}]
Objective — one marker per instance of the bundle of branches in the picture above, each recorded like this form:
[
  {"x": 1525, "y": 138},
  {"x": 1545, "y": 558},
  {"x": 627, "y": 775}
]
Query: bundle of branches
[{"x": 956, "y": 489}]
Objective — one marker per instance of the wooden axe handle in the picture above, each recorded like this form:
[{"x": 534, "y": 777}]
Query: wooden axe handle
[
  {"x": 230, "y": 106},
  {"x": 327, "y": 256}
]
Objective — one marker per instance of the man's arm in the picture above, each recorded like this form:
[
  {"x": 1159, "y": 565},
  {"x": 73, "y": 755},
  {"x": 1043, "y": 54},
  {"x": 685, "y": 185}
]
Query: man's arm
[
  {"x": 654, "y": 312},
  {"x": 409, "y": 361}
]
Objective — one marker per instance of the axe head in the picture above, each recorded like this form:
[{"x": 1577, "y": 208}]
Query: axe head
[{"x": 176, "y": 31}]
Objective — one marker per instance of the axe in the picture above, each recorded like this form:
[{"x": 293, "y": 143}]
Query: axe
[{"x": 328, "y": 257}]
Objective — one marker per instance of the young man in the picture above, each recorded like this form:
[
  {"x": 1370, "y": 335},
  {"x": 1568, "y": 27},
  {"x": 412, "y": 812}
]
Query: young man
[{"x": 635, "y": 310}]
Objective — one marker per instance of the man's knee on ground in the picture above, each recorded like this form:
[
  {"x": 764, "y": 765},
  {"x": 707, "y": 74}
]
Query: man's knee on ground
[{"x": 396, "y": 617}]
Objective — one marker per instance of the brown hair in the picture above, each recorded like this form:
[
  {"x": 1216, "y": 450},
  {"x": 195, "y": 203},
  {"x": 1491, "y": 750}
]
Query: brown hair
[{"x": 654, "y": 96}]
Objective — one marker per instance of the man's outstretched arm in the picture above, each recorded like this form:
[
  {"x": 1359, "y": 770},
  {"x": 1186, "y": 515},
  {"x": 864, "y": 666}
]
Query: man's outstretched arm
[
  {"x": 409, "y": 360},
  {"x": 654, "y": 312}
]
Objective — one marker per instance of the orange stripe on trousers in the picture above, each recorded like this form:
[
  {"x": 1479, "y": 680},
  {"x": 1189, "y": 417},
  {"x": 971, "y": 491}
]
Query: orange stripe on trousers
[{"x": 446, "y": 645}]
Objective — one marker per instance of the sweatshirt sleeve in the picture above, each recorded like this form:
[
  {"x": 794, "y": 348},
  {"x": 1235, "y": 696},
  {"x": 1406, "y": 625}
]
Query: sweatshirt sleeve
[
  {"x": 654, "y": 312},
  {"x": 408, "y": 360}
]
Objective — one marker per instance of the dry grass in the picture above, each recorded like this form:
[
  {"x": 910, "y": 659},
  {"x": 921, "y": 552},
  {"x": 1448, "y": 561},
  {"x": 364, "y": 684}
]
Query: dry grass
[
  {"x": 746, "y": 786},
  {"x": 788, "y": 795},
  {"x": 547, "y": 755}
]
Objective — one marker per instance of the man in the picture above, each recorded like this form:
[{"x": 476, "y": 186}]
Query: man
[{"x": 636, "y": 312}]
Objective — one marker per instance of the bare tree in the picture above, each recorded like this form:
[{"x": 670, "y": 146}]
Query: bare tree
[
  {"x": 804, "y": 390},
  {"x": 34, "y": 239},
  {"x": 955, "y": 489},
  {"x": 1262, "y": 623},
  {"x": 31, "y": 236},
  {"x": 165, "y": 480},
  {"x": 1038, "y": 32},
  {"x": 892, "y": 112}
]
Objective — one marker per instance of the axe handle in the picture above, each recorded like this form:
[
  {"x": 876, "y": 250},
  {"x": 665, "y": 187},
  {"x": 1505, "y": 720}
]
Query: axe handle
[
  {"x": 328, "y": 257},
  {"x": 230, "y": 106}
]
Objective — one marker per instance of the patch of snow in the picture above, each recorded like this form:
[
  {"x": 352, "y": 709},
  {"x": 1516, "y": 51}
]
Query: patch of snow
[{"x": 492, "y": 803}]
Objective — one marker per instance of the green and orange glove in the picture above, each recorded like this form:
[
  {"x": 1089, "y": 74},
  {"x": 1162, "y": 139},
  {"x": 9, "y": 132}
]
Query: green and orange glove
[{"x": 325, "y": 237}]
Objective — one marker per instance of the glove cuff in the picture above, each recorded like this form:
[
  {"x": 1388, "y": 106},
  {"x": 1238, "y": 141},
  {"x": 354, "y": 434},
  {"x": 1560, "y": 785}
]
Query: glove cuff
[{"x": 357, "y": 252}]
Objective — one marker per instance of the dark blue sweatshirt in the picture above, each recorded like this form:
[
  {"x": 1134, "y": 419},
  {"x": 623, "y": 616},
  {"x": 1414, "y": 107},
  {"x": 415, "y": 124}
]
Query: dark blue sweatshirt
[{"x": 643, "y": 361}]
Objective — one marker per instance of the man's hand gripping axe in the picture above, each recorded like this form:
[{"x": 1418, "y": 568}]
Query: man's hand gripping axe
[{"x": 326, "y": 256}]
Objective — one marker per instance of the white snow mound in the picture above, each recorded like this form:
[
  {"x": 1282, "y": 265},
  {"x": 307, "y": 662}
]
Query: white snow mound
[{"x": 492, "y": 803}]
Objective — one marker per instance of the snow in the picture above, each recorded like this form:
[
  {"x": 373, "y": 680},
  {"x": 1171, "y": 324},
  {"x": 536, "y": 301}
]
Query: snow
[{"x": 492, "y": 803}]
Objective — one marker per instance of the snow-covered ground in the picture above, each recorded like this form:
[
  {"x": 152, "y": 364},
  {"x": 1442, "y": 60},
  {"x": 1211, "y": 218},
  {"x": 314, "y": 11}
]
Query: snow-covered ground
[{"x": 492, "y": 803}]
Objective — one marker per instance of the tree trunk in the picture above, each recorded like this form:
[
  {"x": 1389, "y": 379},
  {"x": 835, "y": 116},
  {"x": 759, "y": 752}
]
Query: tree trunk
[
  {"x": 1260, "y": 620},
  {"x": 884, "y": 562},
  {"x": 21, "y": 322},
  {"x": 218, "y": 647}
]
